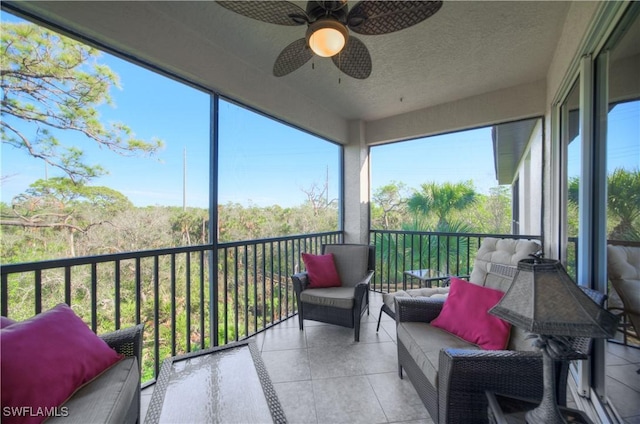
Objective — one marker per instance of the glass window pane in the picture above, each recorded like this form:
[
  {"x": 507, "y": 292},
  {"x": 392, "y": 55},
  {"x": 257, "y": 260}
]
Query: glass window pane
[
  {"x": 623, "y": 218},
  {"x": 572, "y": 147},
  {"x": 623, "y": 169},
  {"x": 120, "y": 163},
  {"x": 274, "y": 179},
  {"x": 486, "y": 180}
]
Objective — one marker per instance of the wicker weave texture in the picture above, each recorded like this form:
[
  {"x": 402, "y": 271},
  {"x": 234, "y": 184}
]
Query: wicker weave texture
[
  {"x": 128, "y": 342},
  {"x": 465, "y": 375},
  {"x": 418, "y": 309}
]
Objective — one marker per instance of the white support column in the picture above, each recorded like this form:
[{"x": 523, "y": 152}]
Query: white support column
[{"x": 356, "y": 185}]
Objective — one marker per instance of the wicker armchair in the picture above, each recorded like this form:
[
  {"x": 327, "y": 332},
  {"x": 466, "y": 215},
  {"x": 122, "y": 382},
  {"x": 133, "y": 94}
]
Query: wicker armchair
[
  {"x": 623, "y": 267},
  {"x": 344, "y": 305},
  {"x": 464, "y": 375}
]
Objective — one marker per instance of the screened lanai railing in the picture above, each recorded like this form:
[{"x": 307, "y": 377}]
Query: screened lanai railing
[{"x": 171, "y": 290}]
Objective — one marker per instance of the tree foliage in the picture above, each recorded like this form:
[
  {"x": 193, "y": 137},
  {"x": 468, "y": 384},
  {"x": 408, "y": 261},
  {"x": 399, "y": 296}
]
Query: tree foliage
[
  {"x": 318, "y": 197},
  {"x": 388, "y": 204},
  {"x": 60, "y": 204},
  {"x": 490, "y": 213},
  {"x": 623, "y": 203},
  {"x": 623, "y": 192},
  {"x": 442, "y": 199},
  {"x": 436, "y": 207},
  {"x": 51, "y": 85}
]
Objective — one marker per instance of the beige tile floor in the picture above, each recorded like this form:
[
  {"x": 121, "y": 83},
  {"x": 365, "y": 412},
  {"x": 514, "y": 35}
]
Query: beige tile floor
[
  {"x": 322, "y": 376},
  {"x": 623, "y": 382}
]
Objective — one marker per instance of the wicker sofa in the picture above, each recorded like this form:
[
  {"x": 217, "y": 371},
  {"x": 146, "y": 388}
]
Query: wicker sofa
[
  {"x": 70, "y": 370},
  {"x": 451, "y": 375},
  {"x": 114, "y": 396}
]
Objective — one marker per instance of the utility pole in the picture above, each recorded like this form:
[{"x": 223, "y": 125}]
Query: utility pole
[
  {"x": 326, "y": 185},
  {"x": 184, "y": 180}
]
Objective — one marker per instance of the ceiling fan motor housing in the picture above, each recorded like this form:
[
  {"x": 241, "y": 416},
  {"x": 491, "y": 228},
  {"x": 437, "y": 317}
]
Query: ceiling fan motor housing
[{"x": 317, "y": 8}]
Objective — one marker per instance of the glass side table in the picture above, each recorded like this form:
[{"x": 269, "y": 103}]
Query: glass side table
[
  {"x": 222, "y": 384},
  {"x": 426, "y": 277},
  {"x": 511, "y": 410}
]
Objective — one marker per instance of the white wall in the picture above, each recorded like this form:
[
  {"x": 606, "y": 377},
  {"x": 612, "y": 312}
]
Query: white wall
[
  {"x": 530, "y": 184},
  {"x": 510, "y": 104},
  {"x": 514, "y": 103},
  {"x": 356, "y": 186}
]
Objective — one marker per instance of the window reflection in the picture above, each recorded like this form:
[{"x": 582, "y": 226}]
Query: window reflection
[
  {"x": 572, "y": 148},
  {"x": 623, "y": 214}
]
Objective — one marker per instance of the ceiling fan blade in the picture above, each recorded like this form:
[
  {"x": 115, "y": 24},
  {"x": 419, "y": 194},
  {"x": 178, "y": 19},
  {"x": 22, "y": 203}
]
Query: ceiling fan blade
[
  {"x": 273, "y": 12},
  {"x": 383, "y": 17},
  {"x": 354, "y": 60},
  {"x": 292, "y": 57}
]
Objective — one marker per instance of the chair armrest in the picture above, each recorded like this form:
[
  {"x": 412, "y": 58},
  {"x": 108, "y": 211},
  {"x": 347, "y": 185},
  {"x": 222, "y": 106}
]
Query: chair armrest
[
  {"x": 127, "y": 341},
  {"x": 417, "y": 309},
  {"x": 361, "y": 290},
  {"x": 465, "y": 375},
  {"x": 367, "y": 278},
  {"x": 300, "y": 282},
  {"x": 492, "y": 367}
]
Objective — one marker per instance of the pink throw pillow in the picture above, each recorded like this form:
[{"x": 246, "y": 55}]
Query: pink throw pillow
[
  {"x": 321, "y": 270},
  {"x": 46, "y": 358},
  {"x": 465, "y": 314},
  {"x": 5, "y": 322}
]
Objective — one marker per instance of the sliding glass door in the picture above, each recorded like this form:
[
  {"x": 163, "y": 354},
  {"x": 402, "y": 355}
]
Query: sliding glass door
[
  {"x": 598, "y": 139},
  {"x": 617, "y": 106}
]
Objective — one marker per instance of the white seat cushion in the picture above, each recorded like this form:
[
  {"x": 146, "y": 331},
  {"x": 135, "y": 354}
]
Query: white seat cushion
[{"x": 389, "y": 298}]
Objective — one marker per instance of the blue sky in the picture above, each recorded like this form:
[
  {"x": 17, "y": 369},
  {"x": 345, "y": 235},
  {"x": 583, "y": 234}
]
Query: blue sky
[
  {"x": 455, "y": 157},
  {"x": 262, "y": 162},
  {"x": 257, "y": 156}
]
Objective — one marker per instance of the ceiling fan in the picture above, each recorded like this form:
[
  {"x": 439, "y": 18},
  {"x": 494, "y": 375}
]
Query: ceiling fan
[{"x": 328, "y": 24}]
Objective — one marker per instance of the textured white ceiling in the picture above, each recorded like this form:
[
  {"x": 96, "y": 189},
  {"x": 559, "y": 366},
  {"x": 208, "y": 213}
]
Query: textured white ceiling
[{"x": 466, "y": 49}]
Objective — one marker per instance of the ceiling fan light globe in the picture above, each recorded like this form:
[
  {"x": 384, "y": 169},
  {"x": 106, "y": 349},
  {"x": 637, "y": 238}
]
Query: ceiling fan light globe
[
  {"x": 327, "y": 37},
  {"x": 326, "y": 42}
]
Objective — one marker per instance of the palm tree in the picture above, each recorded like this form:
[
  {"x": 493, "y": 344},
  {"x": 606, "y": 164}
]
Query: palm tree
[
  {"x": 442, "y": 199},
  {"x": 623, "y": 202},
  {"x": 420, "y": 246}
]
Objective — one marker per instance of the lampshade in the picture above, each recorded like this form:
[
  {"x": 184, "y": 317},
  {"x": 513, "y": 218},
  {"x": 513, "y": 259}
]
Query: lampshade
[
  {"x": 544, "y": 300},
  {"x": 327, "y": 37}
]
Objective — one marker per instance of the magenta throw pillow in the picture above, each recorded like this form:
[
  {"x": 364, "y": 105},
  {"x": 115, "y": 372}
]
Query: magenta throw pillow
[
  {"x": 321, "y": 270},
  {"x": 465, "y": 314},
  {"x": 45, "y": 359},
  {"x": 5, "y": 322}
]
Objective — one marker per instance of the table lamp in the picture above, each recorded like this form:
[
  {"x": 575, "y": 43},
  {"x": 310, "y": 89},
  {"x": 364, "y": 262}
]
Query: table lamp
[{"x": 545, "y": 301}]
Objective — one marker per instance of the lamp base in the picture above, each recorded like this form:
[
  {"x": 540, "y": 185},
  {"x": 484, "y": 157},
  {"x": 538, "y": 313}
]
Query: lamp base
[
  {"x": 513, "y": 409},
  {"x": 547, "y": 412},
  {"x": 544, "y": 415}
]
